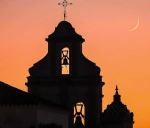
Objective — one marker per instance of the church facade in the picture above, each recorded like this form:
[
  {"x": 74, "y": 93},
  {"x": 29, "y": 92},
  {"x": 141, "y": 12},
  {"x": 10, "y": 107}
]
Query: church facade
[{"x": 65, "y": 76}]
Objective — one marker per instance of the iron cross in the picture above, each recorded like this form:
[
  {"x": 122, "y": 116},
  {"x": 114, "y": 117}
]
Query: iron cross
[{"x": 64, "y": 4}]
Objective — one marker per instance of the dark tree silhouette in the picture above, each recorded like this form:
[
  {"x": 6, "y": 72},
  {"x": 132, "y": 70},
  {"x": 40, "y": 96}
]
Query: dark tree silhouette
[
  {"x": 52, "y": 125},
  {"x": 32, "y": 126}
]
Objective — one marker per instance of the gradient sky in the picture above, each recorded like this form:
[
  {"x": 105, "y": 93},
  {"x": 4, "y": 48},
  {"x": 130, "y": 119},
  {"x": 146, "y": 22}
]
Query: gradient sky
[{"x": 123, "y": 56}]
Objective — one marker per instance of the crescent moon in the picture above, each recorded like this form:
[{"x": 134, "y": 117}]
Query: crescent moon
[{"x": 138, "y": 22}]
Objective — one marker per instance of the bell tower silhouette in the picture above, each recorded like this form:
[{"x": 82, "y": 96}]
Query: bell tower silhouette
[{"x": 67, "y": 77}]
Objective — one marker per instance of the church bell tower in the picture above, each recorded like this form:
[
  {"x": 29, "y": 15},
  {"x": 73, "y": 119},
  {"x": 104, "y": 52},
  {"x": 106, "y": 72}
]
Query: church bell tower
[{"x": 67, "y": 77}]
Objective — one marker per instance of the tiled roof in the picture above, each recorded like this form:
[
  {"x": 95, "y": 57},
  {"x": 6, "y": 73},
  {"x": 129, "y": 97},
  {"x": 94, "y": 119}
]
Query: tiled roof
[
  {"x": 12, "y": 96},
  {"x": 117, "y": 111}
]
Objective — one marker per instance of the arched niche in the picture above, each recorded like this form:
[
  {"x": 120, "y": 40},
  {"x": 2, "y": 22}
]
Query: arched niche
[
  {"x": 65, "y": 61},
  {"x": 79, "y": 114}
]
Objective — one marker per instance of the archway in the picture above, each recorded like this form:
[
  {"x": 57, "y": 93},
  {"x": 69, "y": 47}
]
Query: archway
[
  {"x": 79, "y": 114},
  {"x": 65, "y": 61}
]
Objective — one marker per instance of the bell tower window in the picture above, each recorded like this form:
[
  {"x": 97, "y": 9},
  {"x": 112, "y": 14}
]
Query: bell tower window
[
  {"x": 65, "y": 61},
  {"x": 79, "y": 114}
]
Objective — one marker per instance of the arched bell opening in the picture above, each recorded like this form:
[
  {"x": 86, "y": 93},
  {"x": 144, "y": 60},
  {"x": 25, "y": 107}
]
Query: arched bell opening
[
  {"x": 79, "y": 114},
  {"x": 65, "y": 61}
]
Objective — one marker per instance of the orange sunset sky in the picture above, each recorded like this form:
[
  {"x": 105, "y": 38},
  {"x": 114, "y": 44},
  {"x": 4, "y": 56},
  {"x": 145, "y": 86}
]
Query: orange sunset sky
[{"x": 122, "y": 55}]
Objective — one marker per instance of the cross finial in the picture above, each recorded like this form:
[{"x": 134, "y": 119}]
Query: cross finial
[{"x": 64, "y": 4}]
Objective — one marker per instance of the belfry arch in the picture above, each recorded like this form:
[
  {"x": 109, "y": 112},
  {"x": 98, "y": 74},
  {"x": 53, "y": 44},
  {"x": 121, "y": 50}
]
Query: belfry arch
[
  {"x": 79, "y": 114},
  {"x": 65, "y": 64}
]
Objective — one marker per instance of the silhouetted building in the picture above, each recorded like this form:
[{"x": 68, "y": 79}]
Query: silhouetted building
[
  {"x": 19, "y": 109},
  {"x": 64, "y": 77},
  {"x": 116, "y": 115},
  {"x": 67, "y": 77}
]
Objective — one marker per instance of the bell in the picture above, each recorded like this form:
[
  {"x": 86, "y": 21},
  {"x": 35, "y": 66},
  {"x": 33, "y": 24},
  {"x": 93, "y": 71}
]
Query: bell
[
  {"x": 65, "y": 61},
  {"x": 78, "y": 122}
]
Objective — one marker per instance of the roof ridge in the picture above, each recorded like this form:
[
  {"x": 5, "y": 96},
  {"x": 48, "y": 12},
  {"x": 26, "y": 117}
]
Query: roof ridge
[{"x": 23, "y": 97}]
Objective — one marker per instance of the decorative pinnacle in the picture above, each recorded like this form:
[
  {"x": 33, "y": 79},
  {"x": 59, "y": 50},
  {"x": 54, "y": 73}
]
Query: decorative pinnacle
[
  {"x": 64, "y": 4},
  {"x": 117, "y": 96},
  {"x": 116, "y": 90}
]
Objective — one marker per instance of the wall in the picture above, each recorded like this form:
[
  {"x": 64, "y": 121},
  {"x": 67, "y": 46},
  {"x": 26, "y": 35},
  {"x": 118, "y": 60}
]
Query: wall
[
  {"x": 17, "y": 116},
  {"x": 25, "y": 116},
  {"x": 47, "y": 115}
]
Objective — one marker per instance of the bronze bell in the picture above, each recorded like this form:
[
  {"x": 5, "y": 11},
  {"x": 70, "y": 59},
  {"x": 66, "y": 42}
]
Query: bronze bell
[
  {"x": 65, "y": 61},
  {"x": 78, "y": 122}
]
